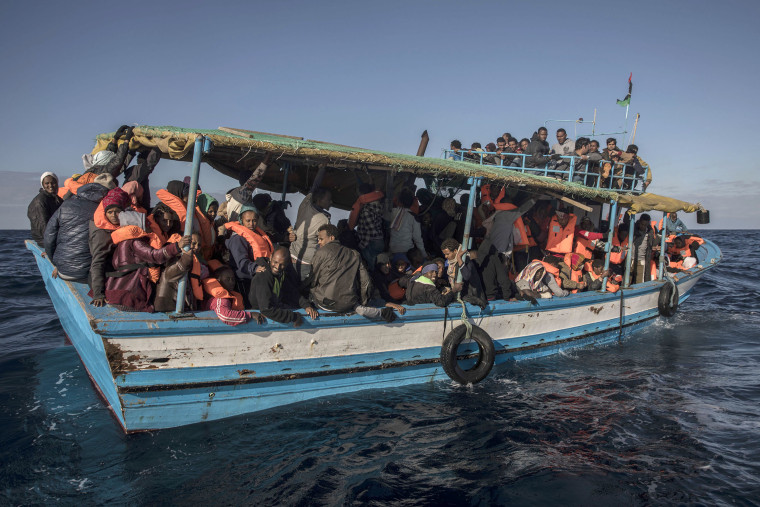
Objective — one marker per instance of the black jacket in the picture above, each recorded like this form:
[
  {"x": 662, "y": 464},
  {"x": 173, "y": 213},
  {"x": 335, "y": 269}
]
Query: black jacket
[
  {"x": 637, "y": 239},
  {"x": 538, "y": 151},
  {"x": 101, "y": 248},
  {"x": 418, "y": 293},
  {"x": 39, "y": 212},
  {"x": 277, "y": 306},
  {"x": 67, "y": 233}
]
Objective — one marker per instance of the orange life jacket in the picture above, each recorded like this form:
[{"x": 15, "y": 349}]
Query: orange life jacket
[
  {"x": 133, "y": 232},
  {"x": 259, "y": 241},
  {"x": 72, "y": 185},
  {"x": 576, "y": 275},
  {"x": 560, "y": 238},
  {"x": 619, "y": 257},
  {"x": 611, "y": 287},
  {"x": 62, "y": 191},
  {"x": 584, "y": 247},
  {"x": 204, "y": 225},
  {"x": 215, "y": 289},
  {"x": 101, "y": 222},
  {"x": 360, "y": 202}
]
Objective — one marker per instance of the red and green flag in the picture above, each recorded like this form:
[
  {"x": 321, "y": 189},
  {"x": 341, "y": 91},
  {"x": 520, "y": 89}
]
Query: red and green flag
[{"x": 627, "y": 100}]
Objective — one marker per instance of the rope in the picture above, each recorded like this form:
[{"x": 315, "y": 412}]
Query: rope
[
  {"x": 673, "y": 292},
  {"x": 620, "y": 323},
  {"x": 464, "y": 317}
]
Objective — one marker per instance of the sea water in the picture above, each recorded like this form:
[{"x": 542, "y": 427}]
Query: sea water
[{"x": 668, "y": 416}]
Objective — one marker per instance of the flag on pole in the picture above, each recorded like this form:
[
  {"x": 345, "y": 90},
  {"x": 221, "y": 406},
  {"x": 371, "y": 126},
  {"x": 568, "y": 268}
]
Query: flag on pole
[{"x": 627, "y": 100}]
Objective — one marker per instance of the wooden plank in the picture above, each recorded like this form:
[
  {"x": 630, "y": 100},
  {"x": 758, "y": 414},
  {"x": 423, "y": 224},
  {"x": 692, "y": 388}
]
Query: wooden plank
[{"x": 569, "y": 201}]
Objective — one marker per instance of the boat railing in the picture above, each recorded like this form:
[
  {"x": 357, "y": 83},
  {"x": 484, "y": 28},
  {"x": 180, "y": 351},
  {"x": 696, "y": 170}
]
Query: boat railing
[{"x": 621, "y": 178}]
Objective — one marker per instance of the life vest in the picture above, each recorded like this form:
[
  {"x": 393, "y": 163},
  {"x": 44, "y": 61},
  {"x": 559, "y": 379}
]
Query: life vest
[
  {"x": 554, "y": 270},
  {"x": 62, "y": 191},
  {"x": 576, "y": 275},
  {"x": 215, "y": 289},
  {"x": 523, "y": 239},
  {"x": 204, "y": 225},
  {"x": 611, "y": 287},
  {"x": 686, "y": 250},
  {"x": 359, "y": 204},
  {"x": 101, "y": 222},
  {"x": 619, "y": 257},
  {"x": 584, "y": 247},
  {"x": 653, "y": 224},
  {"x": 72, "y": 185},
  {"x": 259, "y": 241},
  {"x": 560, "y": 238}
]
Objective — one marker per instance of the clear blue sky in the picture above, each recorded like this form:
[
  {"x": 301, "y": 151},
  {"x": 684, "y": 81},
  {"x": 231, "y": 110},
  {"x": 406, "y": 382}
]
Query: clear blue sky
[{"x": 376, "y": 74}]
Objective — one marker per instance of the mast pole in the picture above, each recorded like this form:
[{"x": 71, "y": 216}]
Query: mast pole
[
  {"x": 629, "y": 255},
  {"x": 468, "y": 217},
  {"x": 661, "y": 271},
  {"x": 635, "y": 124},
  {"x": 197, "y": 153},
  {"x": 608, "y": 246}
]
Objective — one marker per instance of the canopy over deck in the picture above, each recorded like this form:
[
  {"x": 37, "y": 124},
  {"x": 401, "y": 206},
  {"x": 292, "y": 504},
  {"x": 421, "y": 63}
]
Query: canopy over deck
[{"x": 236, "y": 152}]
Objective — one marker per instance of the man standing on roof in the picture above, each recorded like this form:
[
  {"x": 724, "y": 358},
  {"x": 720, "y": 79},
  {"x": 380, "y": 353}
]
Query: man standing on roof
[
  {"x": 538, "y": 149},
  {"x": 312, "y": 214},
  {"x": 564, "y": 146}
]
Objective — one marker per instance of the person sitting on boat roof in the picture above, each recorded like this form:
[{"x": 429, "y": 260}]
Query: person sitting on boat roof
[
  {"x": 130, "y": 286},
  {"x": 564, "y": 145},
  {"x": 405, "y": 232},
  {"x": 44, "y": 204},
  {"x": 538, "y": 280},
  {"x": 474, "y": 153},
  {"x": 421, "y": 288},
  {"x": 340, "y": 283},
  {"x": 187, "y": 263},
  {"x": 642, "y": 168},
  {"x": 249, "y": 247},
  {"x": 524, "y": 144},
  {"x": 366, "y": 219},
  {"x": 147, "y": 160},
  {"x": 222, "y": 298},
  {"x": 272, "y": 219},
  {"x": 274, "y": 291},
  {"x": 674, "y": 225},
  {"x": 67, "y": 231},
  {"x": 585, "y": 162},
  {"x": 105, "y": 220},
  {"x": 312, "y": 214},
  {"x": 538, "y": 151},
  {"x": 456, "y": 150},
  {"x": 463, "y": 274}
]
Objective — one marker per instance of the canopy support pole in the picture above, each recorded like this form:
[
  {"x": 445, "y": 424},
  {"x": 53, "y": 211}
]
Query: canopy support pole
[
  {"x": 610, "y": 237},
  {"x": 629, "y": 255},
  {"x": 197, "y": 154},
  {"x": 468, "y": 218},
  {"x": 286, "y": 166},
  {"x": 661, "y": 271}
]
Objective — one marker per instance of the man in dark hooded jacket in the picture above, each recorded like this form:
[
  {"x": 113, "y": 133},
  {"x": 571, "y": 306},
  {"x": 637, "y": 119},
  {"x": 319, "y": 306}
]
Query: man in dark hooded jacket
[
  {"x": 44, "y": 204},
  {"x": 67, "y": 233}
]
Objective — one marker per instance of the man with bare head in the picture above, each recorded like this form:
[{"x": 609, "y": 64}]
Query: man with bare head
[{"x": 274, "y": 291}]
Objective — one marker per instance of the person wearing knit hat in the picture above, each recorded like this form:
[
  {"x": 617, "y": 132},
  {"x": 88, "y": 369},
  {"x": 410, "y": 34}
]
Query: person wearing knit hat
[
  {"x": 43, "y": 205},
  {"x": 106, "y": 180},
  {"x": 104, "y": 222}
]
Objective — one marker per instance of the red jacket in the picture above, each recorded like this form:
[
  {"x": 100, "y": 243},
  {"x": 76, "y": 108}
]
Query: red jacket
[{"x": 134, "y": 289}]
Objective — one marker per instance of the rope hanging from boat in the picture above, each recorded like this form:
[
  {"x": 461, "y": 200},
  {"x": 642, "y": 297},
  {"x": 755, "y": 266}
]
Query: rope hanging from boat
[
  {"x": 620, "y": 323},
  {"x": 464, "y": 316}
]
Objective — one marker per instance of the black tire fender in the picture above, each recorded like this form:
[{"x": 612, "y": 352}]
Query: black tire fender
[
  {"x": 667, "y": 303},
  {"x": 486, "y": 355}
]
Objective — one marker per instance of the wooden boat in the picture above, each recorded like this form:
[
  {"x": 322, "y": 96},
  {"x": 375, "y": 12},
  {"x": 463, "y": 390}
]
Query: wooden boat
[{"x": 159, "y": 370}]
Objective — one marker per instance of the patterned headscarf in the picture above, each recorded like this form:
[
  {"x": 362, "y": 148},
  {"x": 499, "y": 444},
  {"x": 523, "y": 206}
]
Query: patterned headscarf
[{"x": 116, "y": 197}]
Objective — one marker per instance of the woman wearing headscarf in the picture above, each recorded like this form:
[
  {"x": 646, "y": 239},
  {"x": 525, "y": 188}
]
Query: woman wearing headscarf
[
  {"x": 105, "y": 220},
  {"x": 176, "y": 197},
  {"x": 43, "y": 205}
]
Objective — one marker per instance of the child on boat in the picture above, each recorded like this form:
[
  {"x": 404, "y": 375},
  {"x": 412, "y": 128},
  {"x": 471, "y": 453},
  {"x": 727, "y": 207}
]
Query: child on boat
[{"x": 222, "y": 298}]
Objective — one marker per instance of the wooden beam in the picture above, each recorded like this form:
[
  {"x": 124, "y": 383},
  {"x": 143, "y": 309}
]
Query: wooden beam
[
  {"x": 569, "y": 201},
  {"x": 249, "y": 133}
]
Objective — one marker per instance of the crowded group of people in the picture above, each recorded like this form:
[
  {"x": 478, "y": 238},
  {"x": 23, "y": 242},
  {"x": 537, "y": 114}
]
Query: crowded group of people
[
  {"x": 246, "y": 261},
  {"x": 608, "y": 168}
]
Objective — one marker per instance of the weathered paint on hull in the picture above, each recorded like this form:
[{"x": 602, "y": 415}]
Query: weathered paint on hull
[{"x": 158, "y": 373}]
